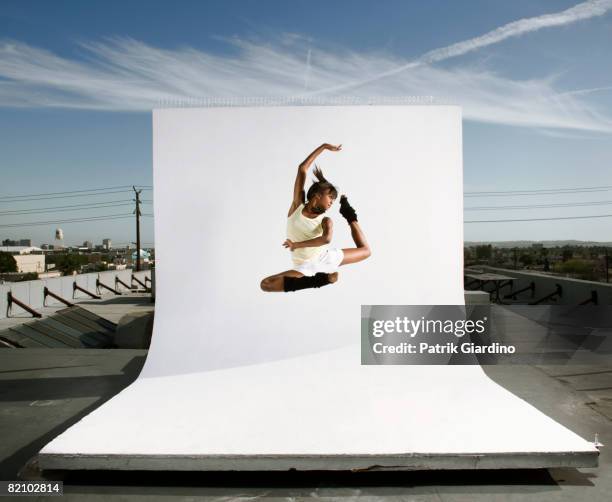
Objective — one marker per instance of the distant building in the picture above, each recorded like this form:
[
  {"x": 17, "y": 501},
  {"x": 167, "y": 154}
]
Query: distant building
[
  {"x": 88, "y": 244},
  {"x": 144, "y": 255},
  {"x": 107, "y": 243},
  {"x": 20, "y": 242},
  {"x": 28, "y": 258}
]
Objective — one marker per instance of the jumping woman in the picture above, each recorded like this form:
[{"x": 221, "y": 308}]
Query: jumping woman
[{"x": 309, "y": 233}]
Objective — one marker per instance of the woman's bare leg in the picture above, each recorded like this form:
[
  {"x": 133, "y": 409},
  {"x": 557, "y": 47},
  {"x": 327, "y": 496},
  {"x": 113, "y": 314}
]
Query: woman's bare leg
[{"x": 362, "y": 251}]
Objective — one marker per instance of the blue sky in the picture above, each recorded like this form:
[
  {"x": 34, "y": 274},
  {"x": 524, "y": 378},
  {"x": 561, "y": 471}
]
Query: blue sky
[{"x": 78, "y": 81}]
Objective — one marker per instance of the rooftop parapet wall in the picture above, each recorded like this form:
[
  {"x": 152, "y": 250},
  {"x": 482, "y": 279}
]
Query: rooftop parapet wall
[
  {"x": 574, "y": 291},
  {"x": 32, "y": 292}
]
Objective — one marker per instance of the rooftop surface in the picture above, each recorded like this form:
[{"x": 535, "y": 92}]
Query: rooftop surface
[
  {"x": 19, "y": 249},
  {"x": 44, "y": 391}
]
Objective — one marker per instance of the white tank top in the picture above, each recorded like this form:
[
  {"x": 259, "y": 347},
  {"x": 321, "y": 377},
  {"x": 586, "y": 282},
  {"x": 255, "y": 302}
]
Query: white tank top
[{"x": 300, "y": 228}]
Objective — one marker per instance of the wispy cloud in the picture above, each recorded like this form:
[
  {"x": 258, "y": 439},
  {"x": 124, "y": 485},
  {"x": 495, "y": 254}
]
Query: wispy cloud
[{"x": 127, "y": 75}]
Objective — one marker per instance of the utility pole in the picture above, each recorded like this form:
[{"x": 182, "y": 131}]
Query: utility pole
[
  {"x": 607, "y": 273},
  {"x": 137, "y": 213}
]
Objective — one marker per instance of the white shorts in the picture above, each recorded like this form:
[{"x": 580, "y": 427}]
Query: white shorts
[{"x": 328, "y": 262}]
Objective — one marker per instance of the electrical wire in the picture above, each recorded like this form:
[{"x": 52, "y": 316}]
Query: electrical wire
[
  {"x": 543, "y": 219},
  {"x": 540, "y": 206},
  {"x": 553, "y": 191},
  {"x": 111, "y": 190},
  {"x": 55, "y": 222},
  {"x": 72, "y": 191},
  {"x": 55, "y": 209},
  {"x": 67, "y": 196},
  {"x": 63, "y": 210}
]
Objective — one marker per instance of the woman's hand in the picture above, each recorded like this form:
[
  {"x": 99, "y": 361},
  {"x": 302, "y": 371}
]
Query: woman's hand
[
  {"x": 332, "y": 148},
  {"x": 290, "y": 244}
]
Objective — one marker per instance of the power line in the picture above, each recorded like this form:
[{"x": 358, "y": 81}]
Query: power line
[
  {"x": 538, "y": 206},
  {"x": 54, "y": 209},
  {"x": 66, "y": 196},
  {"x": 556, "y": 191},
  {"x": 59, "y": 210},
  {"x": 70, "y": 191},
  {"x": 55, "y": 222},
  {"x": 543, "y": 219}
]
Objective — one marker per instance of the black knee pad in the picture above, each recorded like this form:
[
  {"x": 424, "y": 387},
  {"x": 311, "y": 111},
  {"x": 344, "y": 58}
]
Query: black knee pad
[{"x": 297, "y": 283}]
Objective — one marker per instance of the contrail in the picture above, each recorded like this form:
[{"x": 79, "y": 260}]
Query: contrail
[
  {"x": 585, "y": 10},
  {"x": 307, "y": 69},
  {"x": 580, "y": 92}
]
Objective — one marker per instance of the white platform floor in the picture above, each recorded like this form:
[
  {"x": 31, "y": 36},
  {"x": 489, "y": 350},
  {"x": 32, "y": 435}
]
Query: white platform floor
[{"x": 345, "y": 416}]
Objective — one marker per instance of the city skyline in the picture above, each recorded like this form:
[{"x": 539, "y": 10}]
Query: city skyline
[{"x": 27, "y": 242}]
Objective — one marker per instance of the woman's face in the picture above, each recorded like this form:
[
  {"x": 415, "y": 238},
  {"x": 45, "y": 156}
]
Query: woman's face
[{"x": 322, "y": 202}]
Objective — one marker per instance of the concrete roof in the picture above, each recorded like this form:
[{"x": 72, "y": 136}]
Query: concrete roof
[{"x": 20, "y": 249}]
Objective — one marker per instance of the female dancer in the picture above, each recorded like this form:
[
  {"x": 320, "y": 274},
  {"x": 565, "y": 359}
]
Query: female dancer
[{"x": 309, "y": 233}]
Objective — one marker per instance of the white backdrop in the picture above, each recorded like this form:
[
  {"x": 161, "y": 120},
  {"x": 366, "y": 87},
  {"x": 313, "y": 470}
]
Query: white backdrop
[
  {"x": 223, "y": 180},
  {"x": 241, "y": 379}
]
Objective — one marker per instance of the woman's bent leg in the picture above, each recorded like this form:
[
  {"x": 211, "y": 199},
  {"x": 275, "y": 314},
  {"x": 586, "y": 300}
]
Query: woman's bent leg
[
  {"x": 362, "y": 251},
  {"x": 276, "y": 283}
]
